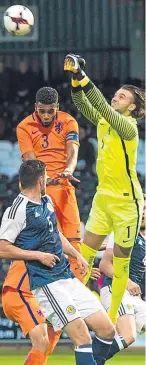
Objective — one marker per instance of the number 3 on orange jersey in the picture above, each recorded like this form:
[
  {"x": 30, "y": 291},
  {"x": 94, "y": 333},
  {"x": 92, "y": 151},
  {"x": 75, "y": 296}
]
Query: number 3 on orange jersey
[{"x": 45, "y": 139}]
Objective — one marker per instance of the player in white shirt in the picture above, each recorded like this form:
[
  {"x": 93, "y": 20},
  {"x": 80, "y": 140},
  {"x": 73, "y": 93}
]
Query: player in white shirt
[{"x": 132, "y": 311}]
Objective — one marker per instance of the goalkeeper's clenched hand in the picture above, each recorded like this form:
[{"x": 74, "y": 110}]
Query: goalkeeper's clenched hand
[{"x": 74, "y": 63}]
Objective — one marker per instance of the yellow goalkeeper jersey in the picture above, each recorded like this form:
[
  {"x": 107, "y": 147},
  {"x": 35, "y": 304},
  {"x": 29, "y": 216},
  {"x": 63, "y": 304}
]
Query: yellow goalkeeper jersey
[{"x": 117, "y": 144}]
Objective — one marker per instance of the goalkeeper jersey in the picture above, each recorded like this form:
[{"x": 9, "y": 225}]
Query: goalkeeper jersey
[{"x": 117, "y": 144}]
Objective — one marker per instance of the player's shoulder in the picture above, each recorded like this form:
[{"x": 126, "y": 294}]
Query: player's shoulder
[
  {"x": 140, "y": 240},
  {"x": 48, "y": 201},
  {"x": 17, "y": 210},
  {"x": 133, "y": 120},
  {"x": 65, "y": 117},
  {"x": 26, "y": 121}
]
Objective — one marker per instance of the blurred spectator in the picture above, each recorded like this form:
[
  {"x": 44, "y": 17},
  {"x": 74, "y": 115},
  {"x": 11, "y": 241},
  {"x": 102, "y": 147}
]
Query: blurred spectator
[
  {"x": 86, "y": 157},
  {"x": 25, "y": 82},
  {"x": 3, "y": 127},
  {"x": 141, "y": 158},
  {"x": 38, "y": 76},
  {"x": 4, "y": 82}
]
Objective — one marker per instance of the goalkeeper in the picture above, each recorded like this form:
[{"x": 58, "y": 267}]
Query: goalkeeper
[{"x": 118, "y": 203}]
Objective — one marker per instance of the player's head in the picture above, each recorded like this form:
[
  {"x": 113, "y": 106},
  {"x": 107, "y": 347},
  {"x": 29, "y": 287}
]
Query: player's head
[
  {"x": 143, "y": 222},
  {"x": 46, "y": 105},
  {"x": 129, "y": 100},
  {"x": 32, "y": 175}
]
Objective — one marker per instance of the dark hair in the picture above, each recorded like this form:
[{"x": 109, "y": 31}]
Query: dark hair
[
  {"x": 47, "y": 95},
  {"x": 139, "y": 100},
  {"x": 29, "y": 173}
]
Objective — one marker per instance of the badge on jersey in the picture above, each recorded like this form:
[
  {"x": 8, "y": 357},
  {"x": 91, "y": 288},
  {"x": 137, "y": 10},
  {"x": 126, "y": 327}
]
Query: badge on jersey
[
  {"x": 58, "y": 126},
  {"x": 50, "y": 207},
  {"x": 71, "y": 309}
]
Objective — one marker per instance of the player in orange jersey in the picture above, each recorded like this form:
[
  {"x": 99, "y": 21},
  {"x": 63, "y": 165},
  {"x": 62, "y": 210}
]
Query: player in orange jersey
[
  {"x": 20, "y": 306},
  {"x": 52, "y": 136}
]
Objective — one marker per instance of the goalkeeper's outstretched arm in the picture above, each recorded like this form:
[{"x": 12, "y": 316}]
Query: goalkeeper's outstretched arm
[
  {"x": 90, "y": 101},
  {"x": 84, "y": 105},
  {"x": 124, "y": 127}
]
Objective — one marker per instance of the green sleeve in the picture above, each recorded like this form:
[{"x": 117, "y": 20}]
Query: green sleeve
[
  {"x": 124, "y": 127},
  {"x": 84, "y": 106}
]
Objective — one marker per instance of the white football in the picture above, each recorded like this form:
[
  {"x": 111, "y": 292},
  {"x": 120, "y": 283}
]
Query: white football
[{"x": 18, "y": 20}]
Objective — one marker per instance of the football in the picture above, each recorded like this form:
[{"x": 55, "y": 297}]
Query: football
[{"x": 18, "y": 20}]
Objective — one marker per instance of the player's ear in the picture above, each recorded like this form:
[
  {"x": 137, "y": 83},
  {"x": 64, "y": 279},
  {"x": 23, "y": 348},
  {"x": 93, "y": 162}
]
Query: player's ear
[
  {"x": 35, "y": 107},
  {"x": 41, "y": 180},
  {"x": 58, "y": 106},
  {"x": 131, "y": 107}
]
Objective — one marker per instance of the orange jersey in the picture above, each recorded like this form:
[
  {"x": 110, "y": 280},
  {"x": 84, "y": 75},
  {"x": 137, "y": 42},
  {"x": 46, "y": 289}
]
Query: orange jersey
[
  {"x": 48, "y": 143},
  {"x": 17, "y": 277}
]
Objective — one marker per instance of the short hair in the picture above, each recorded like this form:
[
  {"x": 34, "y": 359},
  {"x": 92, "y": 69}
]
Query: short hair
[
  {"x": 139, "y": 100},
  {"x": 29, "y": 173},
  {"x": 47, "y": 95}
]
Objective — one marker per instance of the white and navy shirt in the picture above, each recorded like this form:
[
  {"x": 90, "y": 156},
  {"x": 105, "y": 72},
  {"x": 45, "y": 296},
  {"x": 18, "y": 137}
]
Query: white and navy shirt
[{"x": 33, "y": 226}]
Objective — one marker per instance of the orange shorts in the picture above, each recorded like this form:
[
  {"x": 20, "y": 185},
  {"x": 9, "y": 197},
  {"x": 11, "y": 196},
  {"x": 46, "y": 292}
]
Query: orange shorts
[
  {"x": 22, "y": 308},
  {"x": 66, "y": 209}
]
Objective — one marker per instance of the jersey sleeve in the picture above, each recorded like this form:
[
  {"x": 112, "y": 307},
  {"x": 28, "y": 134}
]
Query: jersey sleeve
[
  {"x": 72, "y": 131},
  {"x": 84, "y": 106},
  {"x": 125, "y": 127},
  {"x": 24, "y": 140},
  {"x": 11, "y": 227}
]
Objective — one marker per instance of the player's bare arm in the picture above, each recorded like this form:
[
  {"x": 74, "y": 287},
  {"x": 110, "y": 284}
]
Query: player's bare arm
[
  {"x": 133, "y": 288},
  {"x": 8, "y": 251},
  {"x": 95, "y": 273},
  {"x": 72, "y": 156},
  {"x": 71, "y": 251},
  {"x": 106, "y": 266}
]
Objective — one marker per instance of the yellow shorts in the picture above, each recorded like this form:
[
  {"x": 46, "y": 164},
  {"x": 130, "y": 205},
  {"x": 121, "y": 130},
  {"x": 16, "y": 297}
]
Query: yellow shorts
[{"x": 111, "y": 214}]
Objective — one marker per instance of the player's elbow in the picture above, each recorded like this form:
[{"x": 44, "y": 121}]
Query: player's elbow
[
  {"x": 129, "y": 135},
  {"x": 3, "y": 249}
]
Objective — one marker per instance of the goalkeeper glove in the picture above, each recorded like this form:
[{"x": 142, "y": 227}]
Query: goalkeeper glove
[{"x": 75, "y": 64}]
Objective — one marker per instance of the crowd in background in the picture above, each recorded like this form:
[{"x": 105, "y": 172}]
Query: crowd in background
[{"x": 17, "y": 97}]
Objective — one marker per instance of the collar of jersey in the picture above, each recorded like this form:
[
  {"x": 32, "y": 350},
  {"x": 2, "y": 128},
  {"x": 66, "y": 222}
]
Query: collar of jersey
[{"x": 32, "y": 201}]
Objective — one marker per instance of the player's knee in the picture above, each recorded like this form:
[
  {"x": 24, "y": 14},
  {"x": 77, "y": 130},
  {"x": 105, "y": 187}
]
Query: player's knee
[
  {"x": 41, "y": 343},
  {"x": 82, "y": 336},
  {"x": 108, "y": 332},
  {"x": 79, "y": 333},
  {"x": 39, "y": 338},
  {"x": 129, "y": 338}
]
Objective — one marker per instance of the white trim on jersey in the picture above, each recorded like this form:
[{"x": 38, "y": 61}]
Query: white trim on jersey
[{"x": 14, "y": 219}]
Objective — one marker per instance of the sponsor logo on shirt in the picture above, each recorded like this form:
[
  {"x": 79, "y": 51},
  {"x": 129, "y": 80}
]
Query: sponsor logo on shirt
[
  {"x": 33, "y": 132},
  {"x": 37, "y": 215}
]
